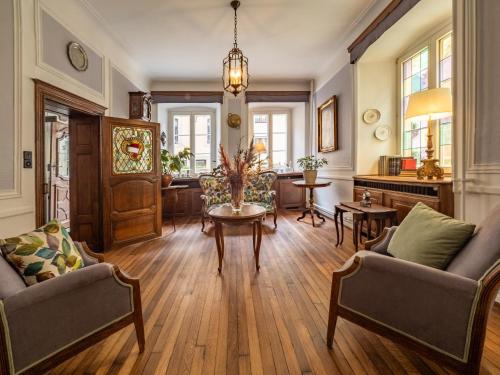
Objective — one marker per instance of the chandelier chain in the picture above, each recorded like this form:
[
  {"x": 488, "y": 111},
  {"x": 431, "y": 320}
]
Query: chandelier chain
[{"x": 235, "y": 29}]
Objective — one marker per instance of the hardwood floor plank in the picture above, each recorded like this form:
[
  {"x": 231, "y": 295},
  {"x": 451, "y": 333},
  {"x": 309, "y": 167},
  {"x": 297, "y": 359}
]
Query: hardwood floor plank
[{"x": 241, "y": 321}]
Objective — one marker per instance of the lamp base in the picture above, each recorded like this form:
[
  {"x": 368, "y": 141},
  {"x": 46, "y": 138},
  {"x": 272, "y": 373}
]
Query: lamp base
[{"x": 430, "y": 169}]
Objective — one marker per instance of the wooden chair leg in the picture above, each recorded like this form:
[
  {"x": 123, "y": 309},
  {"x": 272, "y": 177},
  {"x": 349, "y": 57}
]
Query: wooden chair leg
[
  {"x": 202, "y": 221},
  {"x": 139, "y": 330},
  {"x": 332, "y": 314},
  {"x": 275, "y": 213}
]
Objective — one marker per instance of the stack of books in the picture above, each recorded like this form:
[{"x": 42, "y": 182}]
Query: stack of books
[{"x": 389, "y": 165}]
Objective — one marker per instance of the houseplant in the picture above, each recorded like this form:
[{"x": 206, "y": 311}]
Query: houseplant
[
  {"x": 310, "y": 165},
  {"x": 171, "y": 163},
  {"x": 237, "y": 172}
]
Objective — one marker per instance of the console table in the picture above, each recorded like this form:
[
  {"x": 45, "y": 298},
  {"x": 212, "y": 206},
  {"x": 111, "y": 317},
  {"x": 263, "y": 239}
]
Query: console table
[{"x": 402, "y": 193}]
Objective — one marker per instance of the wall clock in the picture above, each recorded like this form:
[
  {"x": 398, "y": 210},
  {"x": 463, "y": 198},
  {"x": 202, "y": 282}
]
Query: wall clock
[
  {"x": 233, "y": 120},
  {"x": 77, "y": 56},
  {"x": 371, "y": 116}
]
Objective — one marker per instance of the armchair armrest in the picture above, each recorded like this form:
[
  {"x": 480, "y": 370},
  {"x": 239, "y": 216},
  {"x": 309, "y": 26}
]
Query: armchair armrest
[
  {"x": 47, "y": 317},
  {"x": 89, "y": 257},
  {"x": 381, "y": 243},
  {"x": 417, "y": 301}
]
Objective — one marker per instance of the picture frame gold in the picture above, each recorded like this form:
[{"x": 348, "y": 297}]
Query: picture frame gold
[{"x": 327, "y": 125}]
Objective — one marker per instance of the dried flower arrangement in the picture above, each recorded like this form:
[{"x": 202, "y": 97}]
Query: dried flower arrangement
[{"x": 237, "y": 171}]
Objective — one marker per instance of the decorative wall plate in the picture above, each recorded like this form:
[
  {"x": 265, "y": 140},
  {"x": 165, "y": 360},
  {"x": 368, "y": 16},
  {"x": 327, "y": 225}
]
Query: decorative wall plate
[
  {"x": 233, "y": 120},
  {"x": 382, "y": 133},
  {"x": 77, "y": 56},
  {"x": 371, "y": 116}
]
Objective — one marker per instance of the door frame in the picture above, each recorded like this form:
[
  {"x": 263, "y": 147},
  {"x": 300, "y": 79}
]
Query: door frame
[{"x": 44, "y": 91}]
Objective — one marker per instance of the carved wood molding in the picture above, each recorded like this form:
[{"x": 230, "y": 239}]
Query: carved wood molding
[
  {"x": 277, "y": 96},
  {"x": 187, "y": 96},
  {"x": 45, "y": 91},
  {"x": 384, "y": 21}
]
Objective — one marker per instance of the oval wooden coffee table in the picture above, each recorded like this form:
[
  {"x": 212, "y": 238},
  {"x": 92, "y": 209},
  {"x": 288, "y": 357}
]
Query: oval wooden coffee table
[
  {"x": 319, "y": 183},
  {"x": 250, "y": 213}
]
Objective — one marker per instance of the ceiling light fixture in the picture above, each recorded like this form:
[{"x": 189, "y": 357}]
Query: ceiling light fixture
[{"x": 235, "y": 65}]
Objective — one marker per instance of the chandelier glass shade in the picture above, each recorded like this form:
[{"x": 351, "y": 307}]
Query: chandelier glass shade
[{"x": 235, "y": 64}]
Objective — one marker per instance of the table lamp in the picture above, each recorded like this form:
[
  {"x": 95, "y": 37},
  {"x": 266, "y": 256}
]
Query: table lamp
[
  {"x": 259, "y": 148},
  {"x": 430, "y": 105}
]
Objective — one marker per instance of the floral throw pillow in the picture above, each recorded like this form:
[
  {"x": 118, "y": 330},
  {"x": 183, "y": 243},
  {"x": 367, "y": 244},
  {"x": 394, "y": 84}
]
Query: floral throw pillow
[{"x": 40, "y": 255}]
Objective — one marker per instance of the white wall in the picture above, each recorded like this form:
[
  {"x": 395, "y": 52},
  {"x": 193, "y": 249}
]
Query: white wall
[
  {"x": 17, "y": 211},
  {"x": 375, "y": 88}
]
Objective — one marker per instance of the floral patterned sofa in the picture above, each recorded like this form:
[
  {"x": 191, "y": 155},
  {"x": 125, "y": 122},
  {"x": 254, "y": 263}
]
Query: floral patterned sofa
[{"x": 216, "y": 191}]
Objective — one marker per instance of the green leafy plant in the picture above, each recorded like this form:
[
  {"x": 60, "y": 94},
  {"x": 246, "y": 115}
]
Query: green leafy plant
[
  {"x": 173, "y": 163},
  {"x": 311, "y": 163}
]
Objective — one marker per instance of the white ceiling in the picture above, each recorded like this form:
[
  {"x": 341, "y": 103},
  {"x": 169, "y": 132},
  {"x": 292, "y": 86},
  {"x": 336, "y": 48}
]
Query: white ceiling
[{"x": 187, "y": 39}]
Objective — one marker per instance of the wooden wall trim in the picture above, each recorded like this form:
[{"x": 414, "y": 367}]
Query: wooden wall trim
[
  {"x": 187, "y": 96},
  {"x": 277, "y": 96},
  {"x": 46, "y": 91},
  {"x": 391, "y": 14}
]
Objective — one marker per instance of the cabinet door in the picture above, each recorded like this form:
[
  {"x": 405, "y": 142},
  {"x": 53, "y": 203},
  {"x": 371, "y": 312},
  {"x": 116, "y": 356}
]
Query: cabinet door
[
  {"x": 290, "y": 196},
  {"x": 404, "y": 203},
  {"x": 131, "y": 181},
  {"x": 196, "y": 202}
]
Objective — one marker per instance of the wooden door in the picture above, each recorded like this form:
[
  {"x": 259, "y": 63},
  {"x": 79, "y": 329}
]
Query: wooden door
[
  {"x": 59, "y": 173},
  {"x": 131, "y": 181},
  {"x": 85, "y": 182}
]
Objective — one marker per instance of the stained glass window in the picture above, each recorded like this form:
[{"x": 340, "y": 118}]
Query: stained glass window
[
  {"x": 415, "y": 77},
  {"x": 445, "y": 80},
  {"x": 132, "y": 150}
]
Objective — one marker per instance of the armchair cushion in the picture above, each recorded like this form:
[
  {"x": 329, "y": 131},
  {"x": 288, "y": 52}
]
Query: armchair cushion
[
  {"x": 43, "y": 254},
  {"x": 45, "y": 318},
  {"x": 10, "y": 281},
  {"x": 418, "y": 301},
  {"x": 215, "y": 189},
  {"x": 428, "y": 237},
  {"x": 259, "y": 191}
]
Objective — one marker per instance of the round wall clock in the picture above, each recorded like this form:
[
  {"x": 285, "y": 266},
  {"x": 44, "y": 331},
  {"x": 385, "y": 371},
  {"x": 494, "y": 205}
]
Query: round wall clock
[
  {"x": 77, "y": 56},
  {"x": 382, "y": 133},
  {"x": 233, "y": 120},
  {"x": 371, "y": 116}
]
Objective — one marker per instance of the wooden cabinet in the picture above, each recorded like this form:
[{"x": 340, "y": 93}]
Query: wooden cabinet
[
  {"x": 402, "y": 193},
  {"x": 287, "y": 194},
  {"x": 189, "y": 202}
]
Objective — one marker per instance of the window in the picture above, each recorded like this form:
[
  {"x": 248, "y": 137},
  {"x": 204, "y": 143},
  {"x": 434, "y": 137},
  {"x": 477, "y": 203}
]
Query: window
[
  {"x": 193, "y": 129},
  {"x": 272, "y": 128},
  {"x": 426, "y": 67}
]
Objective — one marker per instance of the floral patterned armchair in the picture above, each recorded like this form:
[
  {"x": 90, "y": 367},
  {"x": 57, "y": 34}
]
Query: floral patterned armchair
[
  {"x": 259, "y": 191},
  {"x": 215, "y": 192}
]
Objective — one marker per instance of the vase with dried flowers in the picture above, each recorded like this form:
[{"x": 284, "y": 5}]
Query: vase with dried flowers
[{"x": 237, "y": 172}]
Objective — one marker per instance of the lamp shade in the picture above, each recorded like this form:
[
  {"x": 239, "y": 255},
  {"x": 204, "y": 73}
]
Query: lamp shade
[
  {"x": 433, "y": 104},
  {"x": 259, "y": 147}
]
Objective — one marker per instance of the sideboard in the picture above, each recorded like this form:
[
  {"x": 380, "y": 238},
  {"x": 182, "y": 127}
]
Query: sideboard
[
  {"x": 402, "y": 193},
  {"x": 189, "y": 202}
]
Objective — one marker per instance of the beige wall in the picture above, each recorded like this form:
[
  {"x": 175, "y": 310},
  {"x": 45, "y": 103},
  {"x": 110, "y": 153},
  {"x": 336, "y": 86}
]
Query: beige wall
[{"x": 17, "y": 208}]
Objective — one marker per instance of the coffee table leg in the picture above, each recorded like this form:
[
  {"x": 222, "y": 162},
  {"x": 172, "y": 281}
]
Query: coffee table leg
[
  {"x": 256, "y": 248},
  {"x": 219, "y": 240},
  {"x": 336, "y": 217}
]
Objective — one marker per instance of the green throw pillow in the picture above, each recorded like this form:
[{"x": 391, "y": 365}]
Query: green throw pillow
[
  {"x": 40, "y": 255},
  {"x": 428, "y": 237}
]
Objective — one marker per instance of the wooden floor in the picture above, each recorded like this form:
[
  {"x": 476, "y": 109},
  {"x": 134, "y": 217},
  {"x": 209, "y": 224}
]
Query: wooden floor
[{"x": 243, "y": 322}]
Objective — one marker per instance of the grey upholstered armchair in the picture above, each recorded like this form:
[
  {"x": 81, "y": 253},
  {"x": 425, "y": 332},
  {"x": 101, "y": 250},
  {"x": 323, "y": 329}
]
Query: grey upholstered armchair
[
  {"x": 440, "y": 314},
  {"x": 44, "y": 324}
]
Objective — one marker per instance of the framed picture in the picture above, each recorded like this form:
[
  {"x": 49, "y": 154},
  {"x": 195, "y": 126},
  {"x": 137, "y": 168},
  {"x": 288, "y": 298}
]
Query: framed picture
[{"x": 327, "y": 126}]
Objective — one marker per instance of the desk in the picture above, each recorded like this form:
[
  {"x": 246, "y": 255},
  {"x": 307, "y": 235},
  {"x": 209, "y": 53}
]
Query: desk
[
  {"x": 311, "y": 210},
  {"x": 174, "y": 190},
  {"x": 375, "y": 212}
]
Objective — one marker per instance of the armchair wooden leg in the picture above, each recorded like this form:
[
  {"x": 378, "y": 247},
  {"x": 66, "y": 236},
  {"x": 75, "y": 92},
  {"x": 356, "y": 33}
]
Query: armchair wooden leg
[
  {"x": 139, "y": 330},
  {"x": 332, "y": 313},
  {"x": 275, "y": 218},
  {"x": 203, "y": 222}
]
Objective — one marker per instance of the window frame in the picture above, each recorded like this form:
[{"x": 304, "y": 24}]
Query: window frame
[
  {"x": 192, "y": 112},
  {"x": 430, "y": 41},
  {"x": 270, "y": 111}
]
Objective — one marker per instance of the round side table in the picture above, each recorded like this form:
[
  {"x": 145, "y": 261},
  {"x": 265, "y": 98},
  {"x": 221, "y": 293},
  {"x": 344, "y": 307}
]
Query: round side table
[
  {"x": 249, "y": 214},
  {"x": 319, "y": 183}
]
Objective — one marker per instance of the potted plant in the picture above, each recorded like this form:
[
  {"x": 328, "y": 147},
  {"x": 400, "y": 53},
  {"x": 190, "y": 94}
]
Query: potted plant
[
  {"x": 172, "y": 163},
  {"x": 310, "y": 165}
]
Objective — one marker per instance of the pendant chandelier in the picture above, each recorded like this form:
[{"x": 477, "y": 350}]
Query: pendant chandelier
[{"x": 235, "y": 72}]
